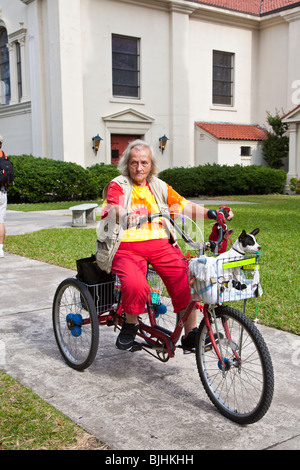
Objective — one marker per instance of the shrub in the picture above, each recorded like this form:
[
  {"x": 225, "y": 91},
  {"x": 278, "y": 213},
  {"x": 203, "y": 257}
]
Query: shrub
[
  {"x": 276, "y": 147},
  {"x": 43, "y": 180},
  {"x": 103, "y": 174},
  {"x": 295, "y": 185},
  {"x": 184, "y": 180},
  {"x": 220, "y": 180}
]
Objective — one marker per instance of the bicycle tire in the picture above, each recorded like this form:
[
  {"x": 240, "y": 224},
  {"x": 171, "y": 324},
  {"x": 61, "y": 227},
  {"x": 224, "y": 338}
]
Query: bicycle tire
[
  {"x": 77, "y": 337},
  {"x": 242, "y": 392}
]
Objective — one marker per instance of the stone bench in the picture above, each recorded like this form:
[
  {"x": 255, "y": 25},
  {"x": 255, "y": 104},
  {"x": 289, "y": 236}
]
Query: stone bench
[{"x": 83, "y": 214}]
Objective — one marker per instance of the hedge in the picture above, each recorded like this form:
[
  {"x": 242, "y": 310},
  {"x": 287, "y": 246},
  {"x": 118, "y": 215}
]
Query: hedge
[
  {"x": 222, "y": 180},
  {"x": 44, "y": 180}
]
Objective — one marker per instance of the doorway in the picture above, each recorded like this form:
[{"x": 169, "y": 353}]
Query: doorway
[{"x": 118, "y": 143}]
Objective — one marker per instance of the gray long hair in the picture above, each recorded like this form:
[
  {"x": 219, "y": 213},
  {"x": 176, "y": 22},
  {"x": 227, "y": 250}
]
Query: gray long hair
[{"x": 123, "y": 163}]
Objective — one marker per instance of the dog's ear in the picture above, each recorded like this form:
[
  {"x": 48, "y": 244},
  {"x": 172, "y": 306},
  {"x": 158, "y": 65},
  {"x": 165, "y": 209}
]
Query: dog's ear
[
  {"x": 242, "y": 235},
  {"x": 255, "y": 231}
]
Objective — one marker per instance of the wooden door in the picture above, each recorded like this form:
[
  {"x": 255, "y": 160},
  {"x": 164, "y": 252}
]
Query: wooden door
[{"x": 119, "y": 143}]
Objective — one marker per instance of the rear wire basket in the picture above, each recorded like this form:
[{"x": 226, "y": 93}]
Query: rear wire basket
[{"x": 105, "y": 295}]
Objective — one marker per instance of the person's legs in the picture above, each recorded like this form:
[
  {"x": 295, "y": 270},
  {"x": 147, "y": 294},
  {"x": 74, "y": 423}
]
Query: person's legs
[
  {"x": 169, "y": 263},
  {"x": 130, "y": 265},
  {"x": 2, "y": 237},
  {"x": 131, "y": 269},
  {"x": 3, "y": 204},
  {"x": 2, "y": 233}
]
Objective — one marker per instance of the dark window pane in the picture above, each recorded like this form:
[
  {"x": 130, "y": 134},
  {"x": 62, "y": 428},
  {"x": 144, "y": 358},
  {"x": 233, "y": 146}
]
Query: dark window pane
[
  {"x": 222, "y": 78},
  {"x": 124, "y": 44},
  {"x": 19, "y": 71},
  {"x": 125, "y": 66},
  {"x": 4, "y": 64}
]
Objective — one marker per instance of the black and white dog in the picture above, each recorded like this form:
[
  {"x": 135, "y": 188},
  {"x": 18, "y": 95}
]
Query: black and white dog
[{"x": 246, "y": 243}]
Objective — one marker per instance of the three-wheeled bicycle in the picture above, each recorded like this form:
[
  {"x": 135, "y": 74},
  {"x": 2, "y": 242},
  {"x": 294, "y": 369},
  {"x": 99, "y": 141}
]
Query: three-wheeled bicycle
[{"x": 232, "y": 357}]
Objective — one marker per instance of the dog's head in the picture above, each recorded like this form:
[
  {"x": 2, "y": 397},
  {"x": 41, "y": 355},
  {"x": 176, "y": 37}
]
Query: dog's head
[{"x": 247, "y": 241}]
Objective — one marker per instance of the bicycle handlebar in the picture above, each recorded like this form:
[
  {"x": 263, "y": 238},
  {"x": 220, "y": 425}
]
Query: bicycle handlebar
[
  {"x": 150, "y": 217},
  {"x": 220, "y": 218},
  {"x": 211, "y": 214},
  {"x": 188, "y": 240}
]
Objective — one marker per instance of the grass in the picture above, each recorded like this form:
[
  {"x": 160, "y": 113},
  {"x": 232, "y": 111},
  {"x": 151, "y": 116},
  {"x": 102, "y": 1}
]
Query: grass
[
  {"x": 277, "y": 216},
  {"x": 45, "y": 206},
  {"x": 26, "y": 422}
]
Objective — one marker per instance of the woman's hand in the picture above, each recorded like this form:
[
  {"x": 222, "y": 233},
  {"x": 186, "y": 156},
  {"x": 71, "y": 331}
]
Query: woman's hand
[
  {"x": 228, "y": 214},
  {"x": 130, "y": 220}
]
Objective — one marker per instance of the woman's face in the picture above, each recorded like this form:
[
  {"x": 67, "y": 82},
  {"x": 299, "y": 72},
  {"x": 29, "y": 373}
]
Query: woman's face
[{"x": 139, "y": 165}]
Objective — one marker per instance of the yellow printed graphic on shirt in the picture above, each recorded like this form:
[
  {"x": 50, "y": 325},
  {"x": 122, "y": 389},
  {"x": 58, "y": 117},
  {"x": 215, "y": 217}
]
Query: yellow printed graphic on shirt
[{"x": 143, "y": 202}]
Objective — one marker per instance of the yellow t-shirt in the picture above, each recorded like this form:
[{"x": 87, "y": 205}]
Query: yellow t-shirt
[{"x": 143, "y": 202}]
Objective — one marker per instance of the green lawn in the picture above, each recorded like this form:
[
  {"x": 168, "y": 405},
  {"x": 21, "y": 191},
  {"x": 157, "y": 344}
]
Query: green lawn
[
  {"x": 28, "y": 423},
  {"x": 277, "y": 216}
]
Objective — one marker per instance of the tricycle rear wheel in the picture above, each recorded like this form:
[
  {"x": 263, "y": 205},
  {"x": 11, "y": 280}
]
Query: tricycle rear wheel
[{"x": 75, "y": 323}]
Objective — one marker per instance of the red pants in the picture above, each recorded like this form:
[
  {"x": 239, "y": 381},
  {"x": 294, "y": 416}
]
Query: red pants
[{"x": 130, "y": 265}]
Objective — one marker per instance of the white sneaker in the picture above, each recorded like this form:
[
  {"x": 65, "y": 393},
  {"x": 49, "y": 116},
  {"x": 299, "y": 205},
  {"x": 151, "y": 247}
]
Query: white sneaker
[{"x": 1, "y": 254}]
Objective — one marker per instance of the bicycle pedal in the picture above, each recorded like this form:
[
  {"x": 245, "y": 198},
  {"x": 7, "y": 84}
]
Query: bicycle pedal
[
  {"x": 135, "y": 347},
  {"x": 187, "y": 350}
]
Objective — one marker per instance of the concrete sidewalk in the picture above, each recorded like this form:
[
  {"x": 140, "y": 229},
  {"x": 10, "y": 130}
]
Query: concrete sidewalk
[
  {"x": 132, "y": 401},
  {"x": 18, "y": 223}
]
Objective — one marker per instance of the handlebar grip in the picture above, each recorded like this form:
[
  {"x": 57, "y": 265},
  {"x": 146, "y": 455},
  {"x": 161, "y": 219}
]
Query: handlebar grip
[
  {"x": 224, "y": 211},
  {"x": 212, "y": 214},
  {"x": 142, "y": 220}
]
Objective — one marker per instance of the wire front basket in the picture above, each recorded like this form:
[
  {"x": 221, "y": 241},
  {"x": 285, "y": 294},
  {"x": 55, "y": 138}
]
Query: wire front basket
[{"x": 215, "y": 281}]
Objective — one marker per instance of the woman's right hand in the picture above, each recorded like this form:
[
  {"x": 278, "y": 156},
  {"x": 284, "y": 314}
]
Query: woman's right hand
[{"x": 130, "y": 220}]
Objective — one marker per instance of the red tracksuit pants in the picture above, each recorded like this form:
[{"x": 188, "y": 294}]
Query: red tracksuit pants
[{"x": 130, "y": 265}]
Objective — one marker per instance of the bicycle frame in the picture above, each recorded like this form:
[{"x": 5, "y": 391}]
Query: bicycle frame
[
  {"x": 241, "y": 388},
  {"x": 155, "y": 332}
]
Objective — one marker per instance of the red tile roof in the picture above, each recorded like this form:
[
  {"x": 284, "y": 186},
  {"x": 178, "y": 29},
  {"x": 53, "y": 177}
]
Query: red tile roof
[
  {"x": 233, "y": 131},
  {"x": 254, "y": 7}
]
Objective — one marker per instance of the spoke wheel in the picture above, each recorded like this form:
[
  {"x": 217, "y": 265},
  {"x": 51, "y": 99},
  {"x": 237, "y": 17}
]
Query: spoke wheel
[
  {"x": 75, "y": 324},
  {"x": 241, "y": 384}
]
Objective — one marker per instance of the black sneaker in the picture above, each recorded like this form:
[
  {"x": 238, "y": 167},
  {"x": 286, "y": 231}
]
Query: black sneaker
[
  {"x": 208, "y": 343},
  {"x": 125, "y": 340},
  {"x": 189, "y": 342}
]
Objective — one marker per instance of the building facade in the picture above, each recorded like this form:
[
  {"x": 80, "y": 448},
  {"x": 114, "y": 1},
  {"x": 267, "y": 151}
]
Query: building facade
[{"x": 74, "y": 69}]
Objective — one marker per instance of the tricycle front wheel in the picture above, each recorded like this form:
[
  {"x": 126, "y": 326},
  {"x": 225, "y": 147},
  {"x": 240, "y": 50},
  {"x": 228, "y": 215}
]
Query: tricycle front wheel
[{"x": 241, "y": 383}]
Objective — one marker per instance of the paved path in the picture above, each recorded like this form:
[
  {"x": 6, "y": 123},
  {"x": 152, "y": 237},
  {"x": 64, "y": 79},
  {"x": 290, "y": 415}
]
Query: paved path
[{"x": 130, "y": 401}]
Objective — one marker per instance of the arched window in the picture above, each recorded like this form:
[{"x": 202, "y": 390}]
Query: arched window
[{"x": 4, "y": 68}]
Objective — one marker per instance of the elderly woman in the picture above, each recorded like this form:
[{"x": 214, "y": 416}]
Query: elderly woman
[{"x": 124, "y": 248}]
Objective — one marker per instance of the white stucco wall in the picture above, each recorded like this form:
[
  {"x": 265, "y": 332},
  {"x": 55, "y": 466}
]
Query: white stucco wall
[{"x": 69, "y": 73}]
